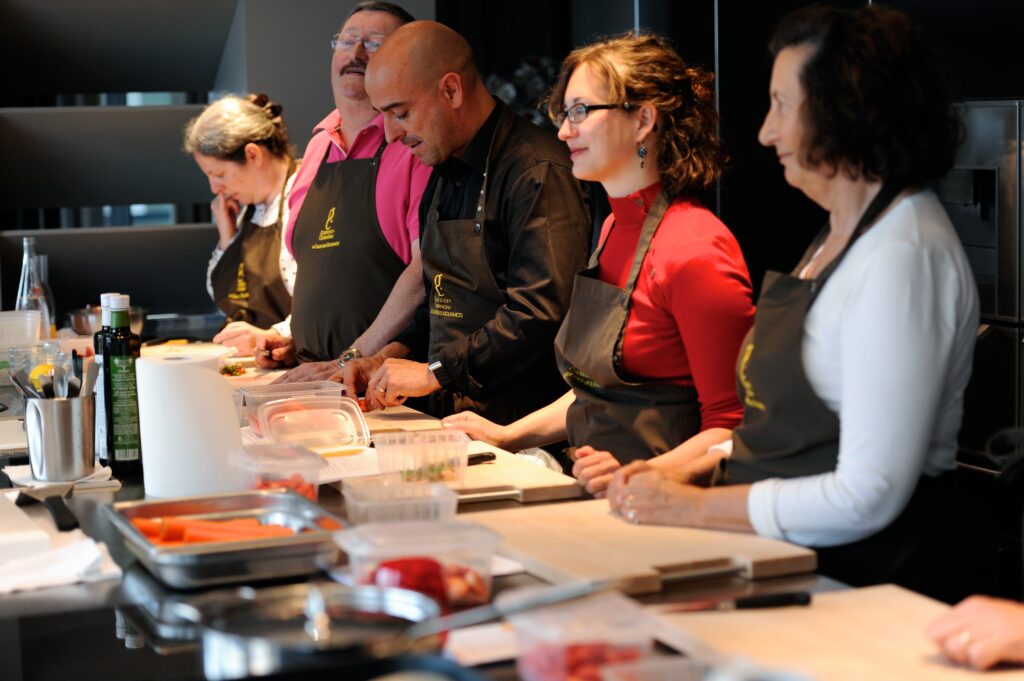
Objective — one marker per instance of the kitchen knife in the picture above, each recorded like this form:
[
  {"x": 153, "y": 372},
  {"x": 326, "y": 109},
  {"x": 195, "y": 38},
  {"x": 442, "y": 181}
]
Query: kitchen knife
[
  {"x": 480, "y": 457},
  {"x": 745, "y": 603},
  {"x": 51, "y": 496}
]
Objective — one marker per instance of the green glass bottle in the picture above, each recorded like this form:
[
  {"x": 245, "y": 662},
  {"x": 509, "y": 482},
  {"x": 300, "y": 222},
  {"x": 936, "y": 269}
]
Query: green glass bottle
[{"x": 121, "y": 348}]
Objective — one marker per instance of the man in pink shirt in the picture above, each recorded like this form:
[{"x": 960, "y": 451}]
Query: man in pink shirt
[{"x": 354, "y": 221}]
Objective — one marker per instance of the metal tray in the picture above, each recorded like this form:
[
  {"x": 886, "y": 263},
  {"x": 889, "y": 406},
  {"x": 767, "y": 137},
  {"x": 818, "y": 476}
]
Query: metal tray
[{"x": 216, "y": 563}]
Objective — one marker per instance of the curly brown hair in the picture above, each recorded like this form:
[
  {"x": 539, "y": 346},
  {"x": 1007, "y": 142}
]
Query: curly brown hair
[
  {"x": 878, "y": 99},
  {"x": 645, "y": 68}
]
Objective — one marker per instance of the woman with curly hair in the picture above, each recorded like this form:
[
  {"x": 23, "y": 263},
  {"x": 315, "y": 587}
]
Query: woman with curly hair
[
  {"x": 241, "y": 145},
  {"x": 652, "y": 332},
  {"x": 853, "y": 376}
]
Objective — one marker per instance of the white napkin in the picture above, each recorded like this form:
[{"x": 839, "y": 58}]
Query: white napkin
[
  {"x": 100, "y": 479},
  {"x": 77, "y": 558}
]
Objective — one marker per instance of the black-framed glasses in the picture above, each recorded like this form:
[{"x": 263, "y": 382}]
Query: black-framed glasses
[
  {"x": 342, "y": 41},
  {"x": 577, "y": 113}
]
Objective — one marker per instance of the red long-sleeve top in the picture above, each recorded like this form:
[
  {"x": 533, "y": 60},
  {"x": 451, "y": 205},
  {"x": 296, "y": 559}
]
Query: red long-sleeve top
[{"x": 691, "y": 306}]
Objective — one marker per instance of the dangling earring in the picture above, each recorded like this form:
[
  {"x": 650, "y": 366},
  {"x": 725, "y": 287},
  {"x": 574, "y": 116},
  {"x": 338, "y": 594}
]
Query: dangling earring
[{"x": 641, "y": 151}]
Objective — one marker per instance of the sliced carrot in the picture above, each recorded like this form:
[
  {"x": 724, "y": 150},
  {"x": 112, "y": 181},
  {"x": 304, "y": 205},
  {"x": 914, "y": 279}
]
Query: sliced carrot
[
  {"x": 198, "y": 534},
  {"x": 173, "y": 527},
  {"x": 328, "y": 523},
  {"x": 149, "y": 527}
]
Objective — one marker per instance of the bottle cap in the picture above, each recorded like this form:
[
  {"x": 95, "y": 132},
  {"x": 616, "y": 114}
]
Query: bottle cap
[
  {"x": 105, "y": 299},
  {"x": 119, "y": 302}
]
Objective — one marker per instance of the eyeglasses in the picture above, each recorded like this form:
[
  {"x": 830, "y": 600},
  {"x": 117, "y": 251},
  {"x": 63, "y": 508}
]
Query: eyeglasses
[
  {"x": 577, "y": 113},
  {"x": 341, "y": 41}
]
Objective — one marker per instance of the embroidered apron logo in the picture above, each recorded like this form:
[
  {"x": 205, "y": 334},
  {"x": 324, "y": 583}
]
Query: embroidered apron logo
[
  {"x": 326, "y": 237},
  {"x": 441, "y": 303},
  {"x": 575, "y": 376},
  {"x": 748, "y": 389},
  {"x": 241, "y": 288}
]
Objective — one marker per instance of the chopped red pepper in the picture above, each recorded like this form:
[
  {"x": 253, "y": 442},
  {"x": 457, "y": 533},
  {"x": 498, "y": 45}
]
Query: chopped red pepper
[{"x": 417, "y": 573}]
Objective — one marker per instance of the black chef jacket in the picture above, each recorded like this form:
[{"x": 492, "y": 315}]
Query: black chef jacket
[{"x": 537, "y": 227}]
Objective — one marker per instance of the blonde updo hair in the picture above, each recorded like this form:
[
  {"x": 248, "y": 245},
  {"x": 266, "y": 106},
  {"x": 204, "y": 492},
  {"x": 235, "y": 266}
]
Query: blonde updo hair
[
  {"x": 645, "y": 68},
  {"x": 224, "y": 128}
]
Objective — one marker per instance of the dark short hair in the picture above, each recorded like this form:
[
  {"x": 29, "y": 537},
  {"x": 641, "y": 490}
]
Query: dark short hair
[
  {"x": 646, "y": 68},
  {"x": 878, "y": 99},
  {"x": 379, "y": 6}
]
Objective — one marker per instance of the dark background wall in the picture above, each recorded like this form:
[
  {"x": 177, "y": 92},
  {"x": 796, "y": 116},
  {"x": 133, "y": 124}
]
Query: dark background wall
[{"x": 772, "y": 221}]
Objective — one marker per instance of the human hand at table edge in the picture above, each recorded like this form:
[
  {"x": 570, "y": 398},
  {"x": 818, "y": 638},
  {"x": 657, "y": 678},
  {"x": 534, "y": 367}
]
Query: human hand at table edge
[
  {"x": 273, "y": 351},
  {"x": 595, "y": 470},
  {"x": 398, "y": 379},
  {"x": 981, "y": 632},
  {"x": 645, "y": 495},
  {"x": 241, "y": 336},
  {"x": 478, "y": 428},
  {"x": 310, "y": 371}
]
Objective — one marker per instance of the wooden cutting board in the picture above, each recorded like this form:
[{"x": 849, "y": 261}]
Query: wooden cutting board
[
  {"x": 515, "y": 478},
  {"x": 871, "y": 633},
  {"x": 508, "y": 477},
  {"x": 584, "y": 540},
  {"x": 400, "y": 418}
]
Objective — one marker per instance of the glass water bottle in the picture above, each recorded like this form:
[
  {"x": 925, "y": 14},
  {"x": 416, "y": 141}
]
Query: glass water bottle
[{"x": 31, "y": 294}]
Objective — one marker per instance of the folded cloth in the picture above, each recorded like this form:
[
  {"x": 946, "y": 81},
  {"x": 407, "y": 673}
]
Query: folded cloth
[
  {"x": 100, "y": 479},
  {"x": 77, "y": 559}
]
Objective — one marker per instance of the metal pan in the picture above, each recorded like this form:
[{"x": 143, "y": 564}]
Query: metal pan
[
  {"x": 322, "y": 626},
  {"x": 309, "y": 550}
]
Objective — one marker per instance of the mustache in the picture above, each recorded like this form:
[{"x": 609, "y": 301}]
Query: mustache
[{"x": 355, "y": 63}]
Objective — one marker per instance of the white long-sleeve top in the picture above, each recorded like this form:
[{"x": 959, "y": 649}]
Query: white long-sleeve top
[
  {"x": 265, "y": 215},
  {"x": 888, "y": 346}
]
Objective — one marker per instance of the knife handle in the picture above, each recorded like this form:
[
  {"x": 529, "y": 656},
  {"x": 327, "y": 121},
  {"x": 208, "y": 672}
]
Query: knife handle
[
  {"x": 63, "y": 518},
  {"x": 774, "y": 600}
]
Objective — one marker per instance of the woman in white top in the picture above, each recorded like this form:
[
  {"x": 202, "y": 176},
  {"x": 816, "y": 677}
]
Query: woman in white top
[
  {"x": 241, "y": 144},
  {"x": 852, "y": 378}
]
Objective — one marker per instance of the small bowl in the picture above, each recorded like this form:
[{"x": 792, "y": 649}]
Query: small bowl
[{"x": 87, "y": 320}]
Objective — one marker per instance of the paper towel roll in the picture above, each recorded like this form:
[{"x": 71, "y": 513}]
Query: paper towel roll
[{"x": 188, "y": 425}]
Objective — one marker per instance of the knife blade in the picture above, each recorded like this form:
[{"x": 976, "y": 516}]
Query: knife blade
[{"x": 746, "y": 603}]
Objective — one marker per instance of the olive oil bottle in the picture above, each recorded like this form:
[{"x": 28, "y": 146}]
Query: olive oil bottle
[{"x": 121, "y": 348}]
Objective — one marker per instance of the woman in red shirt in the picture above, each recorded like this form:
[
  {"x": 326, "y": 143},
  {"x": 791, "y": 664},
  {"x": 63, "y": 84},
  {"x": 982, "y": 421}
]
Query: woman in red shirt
[{"x": 650, "y": 341}]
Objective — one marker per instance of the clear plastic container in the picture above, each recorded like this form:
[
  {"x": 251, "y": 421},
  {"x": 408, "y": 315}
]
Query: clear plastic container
[
  {"x": 277, "y": 466},
  {"x": 253, "y": 397},
  {"x": 656, "y": 668},
  {"x": 424, "y": 456},
  {"x": 574, "y": 640},
  {"x": 448, "y": 560},
  {"x": 20, "y": 328},
  {"x": 376, "y": 500},
  {"x": 330, "y": 426}
]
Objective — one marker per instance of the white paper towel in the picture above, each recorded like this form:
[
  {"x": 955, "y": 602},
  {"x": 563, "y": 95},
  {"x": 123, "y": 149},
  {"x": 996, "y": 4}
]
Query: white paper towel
[{"x": 189, "y": 427}]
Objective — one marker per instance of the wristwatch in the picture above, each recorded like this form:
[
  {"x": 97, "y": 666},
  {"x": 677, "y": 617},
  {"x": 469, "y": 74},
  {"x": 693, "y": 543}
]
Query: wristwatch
[
  {"x": 349, "y": 355},
  {"x": 440, "y": 373}
]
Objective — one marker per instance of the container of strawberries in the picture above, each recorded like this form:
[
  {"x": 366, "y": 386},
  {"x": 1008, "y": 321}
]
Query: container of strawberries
[
  {"x": 450, "y": 560},
  {"x": 573, "y": 641},
  {"x": 280, "y": 466}
]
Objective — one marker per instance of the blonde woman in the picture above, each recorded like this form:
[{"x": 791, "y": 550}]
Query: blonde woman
[{"x": 241, "y": 145}]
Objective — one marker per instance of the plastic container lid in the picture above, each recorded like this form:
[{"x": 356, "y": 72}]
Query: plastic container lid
[
  {"x": 609, "y": 617},
  {"x": 281, "y": 459},
  {"x": 390, "y": 540},
  {"x": 375, "y": 500},
  {"x": 254, "y": 396},
  {"x": 320, "y": 423}
]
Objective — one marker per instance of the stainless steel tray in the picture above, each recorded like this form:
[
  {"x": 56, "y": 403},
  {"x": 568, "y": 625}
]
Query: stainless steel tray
[{"x": 214, "y": 563}]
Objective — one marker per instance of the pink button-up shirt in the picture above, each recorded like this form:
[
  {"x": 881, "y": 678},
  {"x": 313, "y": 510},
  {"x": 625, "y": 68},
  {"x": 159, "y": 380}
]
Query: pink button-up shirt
[{"x": 401, "y": 180}]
